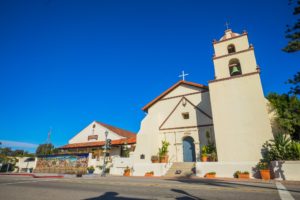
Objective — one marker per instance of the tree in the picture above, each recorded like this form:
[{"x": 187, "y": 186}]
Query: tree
[
  {"x": 295, "y": 90},
  {"x": 288, "y": 113},
  {"x": 293, "y": 33},
  {"x": 44, "y": 149},
  {"x": 6, "y": 151}
]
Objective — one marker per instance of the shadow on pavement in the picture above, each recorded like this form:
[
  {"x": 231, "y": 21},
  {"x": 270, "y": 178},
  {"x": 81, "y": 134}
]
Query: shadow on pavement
[
  {"x": 114, "y": 195},
  {"x": 111, "y": 195},
  {"x": 187, "y": 197}
]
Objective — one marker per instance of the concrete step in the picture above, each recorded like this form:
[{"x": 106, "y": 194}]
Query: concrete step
[{"x": 186, "y": 169}]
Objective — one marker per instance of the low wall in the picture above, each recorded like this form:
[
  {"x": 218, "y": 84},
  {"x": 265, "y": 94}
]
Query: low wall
[
  {"x": 159, "y": 169},
  {"x": 226, "y": 169},
  {"x": 286, "y": 170},
  {"x": 138, "y": 169},
  {"x": 119, "y": 164}
]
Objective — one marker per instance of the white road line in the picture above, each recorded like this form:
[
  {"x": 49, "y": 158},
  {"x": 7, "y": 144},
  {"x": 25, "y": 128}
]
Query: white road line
[
  {"x": 283, "y": 192},
  {"x": 21, "y": 182}
]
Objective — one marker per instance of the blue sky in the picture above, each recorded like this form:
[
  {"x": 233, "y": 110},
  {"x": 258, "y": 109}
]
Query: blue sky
[{"x": 64, "y": 64}]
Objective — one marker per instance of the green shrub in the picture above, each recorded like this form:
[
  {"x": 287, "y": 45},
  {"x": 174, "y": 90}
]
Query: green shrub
[
  {"x": 263, "y": 165},
  {"x": 281, "y": 148},
  {"x": 164, "y": 149}
]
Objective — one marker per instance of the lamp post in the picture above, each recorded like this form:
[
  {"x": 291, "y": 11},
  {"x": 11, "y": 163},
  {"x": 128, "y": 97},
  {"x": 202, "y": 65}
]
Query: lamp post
[{"x": 105, "y": 151}]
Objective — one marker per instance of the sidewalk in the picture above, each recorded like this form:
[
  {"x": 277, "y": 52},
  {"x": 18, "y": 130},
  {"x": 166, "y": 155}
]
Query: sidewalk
[{"x": 191, "y": 179}]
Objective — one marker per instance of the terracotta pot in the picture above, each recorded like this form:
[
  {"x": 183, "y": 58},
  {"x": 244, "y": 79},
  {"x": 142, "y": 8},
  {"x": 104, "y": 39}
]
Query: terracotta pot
[
  {"x": 265, "y": 174},
  {"x": 247, "y": 176},
  {"x": 210, "y": 176},
  {"x": 163, "y": 159},
  {"x": 148, "y": 174},
  {"x": 204, "y": 158},
  {"x": 154, "y": 161},
  {"x": 126, "y": 173}
]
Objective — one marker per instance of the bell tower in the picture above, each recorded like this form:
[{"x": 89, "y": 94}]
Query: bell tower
[{"x": 241, "y": 122}]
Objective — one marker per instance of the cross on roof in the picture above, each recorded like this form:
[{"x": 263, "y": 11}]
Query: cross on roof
[
  {"x": 227, "y": 25},
  {"x": 183, "y": 75}
]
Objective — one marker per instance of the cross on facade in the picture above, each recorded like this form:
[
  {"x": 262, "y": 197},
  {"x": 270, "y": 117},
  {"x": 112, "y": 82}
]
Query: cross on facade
[
  {"x": 183, "y": 75},
  {"x": 227, "y": 25}
]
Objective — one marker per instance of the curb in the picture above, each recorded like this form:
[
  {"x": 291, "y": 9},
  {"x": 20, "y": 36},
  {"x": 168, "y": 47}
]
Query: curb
[{"x": 32, "y": 175}]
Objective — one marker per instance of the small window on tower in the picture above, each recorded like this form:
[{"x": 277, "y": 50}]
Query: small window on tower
[
  {"x": 231, "y": 48},
  {"x": 185, "y": 115},
  {"x": 235, "y": 67}
]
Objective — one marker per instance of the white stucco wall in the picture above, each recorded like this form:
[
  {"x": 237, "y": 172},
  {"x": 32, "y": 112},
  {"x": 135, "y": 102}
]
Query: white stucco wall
[
  {"x": 247, "y": 61},
  {"x": 224, "y": 169},
  {"x": 240, "y": 43},
  {"x": 286, "y": 170},
  {"x": 240, "y": 116},
  {"x": 25, "y": 165},
  {"x": 149, "y": 137},
  {"x": 99, "y": 130}
]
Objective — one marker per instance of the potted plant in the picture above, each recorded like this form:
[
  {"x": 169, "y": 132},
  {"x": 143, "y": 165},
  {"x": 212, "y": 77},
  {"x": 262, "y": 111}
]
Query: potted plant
[
  {"x": 239, "y": 174},
  {"x": 126, "y": 171},
  {"x": 149, "y": 173},
  {"x": 204, "y": 153},
  {"x": 210, "y": 175},
  {"x": 154, "y": 159},
  {"x": 163, "y": 151},
  {"x": 91, "y": 169},
  {"x": 264, "y": 170},
  {"x": 79, "y": 174}
]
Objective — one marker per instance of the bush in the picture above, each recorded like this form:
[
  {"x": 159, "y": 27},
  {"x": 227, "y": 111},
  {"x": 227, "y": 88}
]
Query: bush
[
  {"x": 91, "y": 169},
  {"x": 263, "y": 166},
  {"x": 281, "y": 148}
]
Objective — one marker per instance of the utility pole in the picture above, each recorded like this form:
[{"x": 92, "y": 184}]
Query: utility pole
[{"x": 105, "y": 152}]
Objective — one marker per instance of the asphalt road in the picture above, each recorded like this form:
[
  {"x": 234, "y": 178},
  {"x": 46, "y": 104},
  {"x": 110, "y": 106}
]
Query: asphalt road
[{"x": 94, "y": 188}]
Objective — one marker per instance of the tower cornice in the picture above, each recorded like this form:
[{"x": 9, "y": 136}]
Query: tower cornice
[{"x": 235, "y": 53}]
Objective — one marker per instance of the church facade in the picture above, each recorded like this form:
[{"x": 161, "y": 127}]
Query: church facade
[{"x": 231, "y": 112}]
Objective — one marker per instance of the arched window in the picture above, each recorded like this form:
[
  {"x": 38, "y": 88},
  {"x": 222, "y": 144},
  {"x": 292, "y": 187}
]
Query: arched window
[
  {"x": 231, "y": 48},
  {"x": 235, "y": 67}
]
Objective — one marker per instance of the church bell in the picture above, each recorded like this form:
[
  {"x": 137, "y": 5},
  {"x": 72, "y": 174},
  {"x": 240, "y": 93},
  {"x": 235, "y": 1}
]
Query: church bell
[{"x": 234, "y": 71}]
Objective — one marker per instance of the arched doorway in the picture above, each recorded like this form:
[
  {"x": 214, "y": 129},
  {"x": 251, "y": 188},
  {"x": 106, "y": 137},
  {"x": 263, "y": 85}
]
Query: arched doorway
[{"x": 188, "y": 149}]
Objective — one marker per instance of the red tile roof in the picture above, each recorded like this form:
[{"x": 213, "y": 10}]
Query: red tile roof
[
  {"x": 145, "y": 108},
  {"x": 118, "y": 131},
  {"x": 131, "y": 140}
]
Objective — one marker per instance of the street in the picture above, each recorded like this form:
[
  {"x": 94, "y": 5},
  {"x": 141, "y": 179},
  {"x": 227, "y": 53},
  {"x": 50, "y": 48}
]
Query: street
[{"x": 93, "y": 188}]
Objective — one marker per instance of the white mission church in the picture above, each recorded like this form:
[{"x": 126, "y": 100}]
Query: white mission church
[{"x": 231, "y": 112}]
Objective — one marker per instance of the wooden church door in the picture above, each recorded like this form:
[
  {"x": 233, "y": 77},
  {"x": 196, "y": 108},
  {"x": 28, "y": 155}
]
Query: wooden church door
[{"x": 188, "y": 149}]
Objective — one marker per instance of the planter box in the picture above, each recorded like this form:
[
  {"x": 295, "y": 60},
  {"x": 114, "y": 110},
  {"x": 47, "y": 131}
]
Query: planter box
[
  {"x": 148, "y": 174},
  {"x": 265, "y": 174},
  {"x": 204, "y": 158},
  {"x": 210, "y": 176},
  {"x": 126, "y": 173},
  {"x": 286, "y": 170},
  {"x": 245, "y": 176},
  {"x": 163, "y": 159}
]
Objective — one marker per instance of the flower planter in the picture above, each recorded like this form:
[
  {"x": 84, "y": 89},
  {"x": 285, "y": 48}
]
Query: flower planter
[
  {"x": 91, "y": 172},
  {"x": 163, "y": 159},
  {"x": 245, "y": 176},
  {"x": 155, "y": 161},
  {"x": 126, "y": 173},
  {"x": 210, "y": 176},
  {"x": 265, "y": 174},
  {"x": 204, "y": 158},
  {"x": 148, "y": 174}
]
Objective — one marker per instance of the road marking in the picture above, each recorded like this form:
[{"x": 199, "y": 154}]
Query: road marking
[
  {"x": 283, "y": 192},
  {"x": 21, "y": 182}
]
